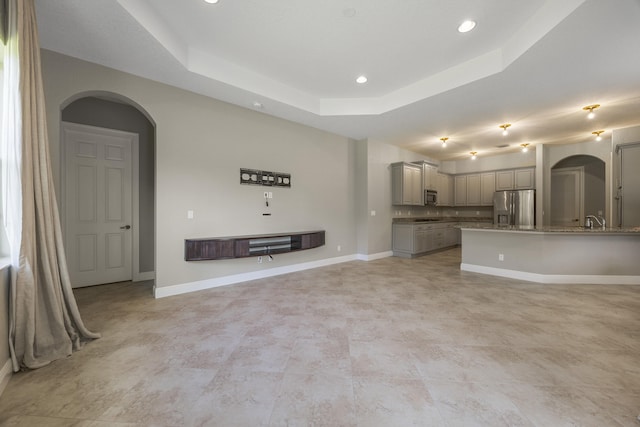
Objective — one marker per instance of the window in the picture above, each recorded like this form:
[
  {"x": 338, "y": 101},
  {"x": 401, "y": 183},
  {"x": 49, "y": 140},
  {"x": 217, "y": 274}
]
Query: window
[{"x": 4, "y": 244}]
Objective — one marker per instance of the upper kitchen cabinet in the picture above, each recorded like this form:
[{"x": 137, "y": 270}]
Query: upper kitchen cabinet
[
  {"x": 429, "y": 176},
  {"x": 515, "y": 179},
  {"x": 406, "y": 184},
  {"x": 504, "y": 180},
  {"x": 525, "y": 179},
  {"x": 460, "y": 190},
  {"x": 445, "y": 189},
  {"x": 475, "y": 189},
  {"x": 488, "y": 187}
]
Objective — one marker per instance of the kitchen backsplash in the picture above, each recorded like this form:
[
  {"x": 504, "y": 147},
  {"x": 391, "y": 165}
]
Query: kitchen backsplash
[{"x": 427, "y": 212}]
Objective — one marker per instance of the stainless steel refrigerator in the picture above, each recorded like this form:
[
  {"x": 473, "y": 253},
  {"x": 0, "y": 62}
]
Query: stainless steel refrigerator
[{"x": 514, "y": 207}]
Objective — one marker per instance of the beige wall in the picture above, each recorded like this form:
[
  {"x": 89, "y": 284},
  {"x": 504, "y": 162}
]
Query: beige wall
[
  {"x": 379, "y": 156},
  {"x": 201, "y": 144}
]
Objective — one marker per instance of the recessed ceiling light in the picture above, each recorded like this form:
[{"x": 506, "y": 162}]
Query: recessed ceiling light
[
  {"x": 361, "y": 79},
  {"x": 211, "y": 1},
  {"x": 257, "y": 105},
  {"x": 467, "y": 26}
]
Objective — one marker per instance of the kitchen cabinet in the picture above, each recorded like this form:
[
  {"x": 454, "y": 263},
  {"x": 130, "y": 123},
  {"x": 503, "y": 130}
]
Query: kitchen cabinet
[
  {"x": 473, "y": 189},
  {"x": 406, "y": 184},
  {"x": 460, "y": 190},
  {"x": 488, "y": 187},
  {"x": 474, "y": 195},
  {"x": 429, "y": 176},
  {"x": 451, "y": 235},
  {"x": 411, "y": 239},
  {"x": 445, "y": 189},
  {"x": 504, "y": 180},
  {"x": 525, "y": 179},
  {"x": 515, "y": 179}
]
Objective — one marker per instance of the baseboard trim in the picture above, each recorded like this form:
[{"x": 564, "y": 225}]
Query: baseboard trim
[
  {"x": 5, "y": 375},
  {"x": 587, "y": 279},
  {"x": 183, "y": 288}
]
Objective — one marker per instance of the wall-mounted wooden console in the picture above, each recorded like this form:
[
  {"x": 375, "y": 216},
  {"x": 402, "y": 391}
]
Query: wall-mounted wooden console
[{"x": 246, "y": 246}]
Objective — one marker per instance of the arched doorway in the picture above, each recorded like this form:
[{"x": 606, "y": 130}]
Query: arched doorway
[
  {"x": 578, "y": 189},
  {"x": 105, "y": 111}
]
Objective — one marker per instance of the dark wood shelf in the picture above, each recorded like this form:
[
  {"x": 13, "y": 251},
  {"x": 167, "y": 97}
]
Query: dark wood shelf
[{"x": 213, "y": 248}]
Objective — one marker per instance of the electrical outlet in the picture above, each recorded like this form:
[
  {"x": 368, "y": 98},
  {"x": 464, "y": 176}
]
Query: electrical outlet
[
  {"x": 339, "y": 248},
  {"x": 189, "y": 214},
  {"x": 259, "y": 260},
  {"x": 373, "y": 213},
  {"x": 500, "y": 257},
  {"x": 266, "y": 194},
  {"x": 270, "y": 195}
]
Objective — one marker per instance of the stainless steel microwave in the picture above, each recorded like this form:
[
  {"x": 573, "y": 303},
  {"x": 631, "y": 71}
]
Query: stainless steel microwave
[{"x": 430, "y": 197}]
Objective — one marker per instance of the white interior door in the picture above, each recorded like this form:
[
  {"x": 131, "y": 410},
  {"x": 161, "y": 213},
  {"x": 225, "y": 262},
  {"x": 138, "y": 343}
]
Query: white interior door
[
  {"x": 567, "y": 197},
  {"x": 98, "y": 204}
]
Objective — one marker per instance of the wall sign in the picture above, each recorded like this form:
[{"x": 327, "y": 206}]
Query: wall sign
[{"x": 270, "y": 179}]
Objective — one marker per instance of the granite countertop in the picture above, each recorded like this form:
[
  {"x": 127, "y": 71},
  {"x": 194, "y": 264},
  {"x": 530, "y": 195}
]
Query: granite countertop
[
  {"x": 418, "y": 220},
  {"x": 554, "y": 229}
]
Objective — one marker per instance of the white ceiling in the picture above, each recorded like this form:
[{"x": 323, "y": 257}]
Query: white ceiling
[{"x": 532, "y": 63}]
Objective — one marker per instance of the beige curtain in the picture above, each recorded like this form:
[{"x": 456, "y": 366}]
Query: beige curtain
[
  {"x": 3, "y": 21},
  {"x": 45, "y": 323}
]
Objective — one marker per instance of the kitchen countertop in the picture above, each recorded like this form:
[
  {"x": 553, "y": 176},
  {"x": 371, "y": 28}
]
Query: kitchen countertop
[
  {"x": 554, "y": 229},
  {"x": 420, "y": 220}
]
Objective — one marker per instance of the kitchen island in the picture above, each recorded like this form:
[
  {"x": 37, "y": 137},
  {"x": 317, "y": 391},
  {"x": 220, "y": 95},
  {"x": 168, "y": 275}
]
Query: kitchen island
[{"x": 553, "y": 254}]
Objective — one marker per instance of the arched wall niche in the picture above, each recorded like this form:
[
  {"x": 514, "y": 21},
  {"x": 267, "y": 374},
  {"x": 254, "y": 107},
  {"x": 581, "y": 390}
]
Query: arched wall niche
[
  {"x": 580, "y": 178},
  {"x": 109, "y": 97},
  {"x": 114, "y": 111}
]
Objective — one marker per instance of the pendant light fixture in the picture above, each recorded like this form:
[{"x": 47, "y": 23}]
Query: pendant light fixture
[
  {"x": 504, "y": 127},
  {"x": 590, "y": 109},
  {"x": 597, "y": 134},
  {"x": 473, "y": 155},
  {"x": 525, "y": 147},
  {"x": 444, "y": 140}
]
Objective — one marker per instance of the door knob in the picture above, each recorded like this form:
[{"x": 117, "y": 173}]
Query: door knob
[{"x": 126, "y": 227}]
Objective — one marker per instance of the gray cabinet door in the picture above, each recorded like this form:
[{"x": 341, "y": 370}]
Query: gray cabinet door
[
  {"x": 474, "y": 190},
  {"x": 460, "y": 191}
]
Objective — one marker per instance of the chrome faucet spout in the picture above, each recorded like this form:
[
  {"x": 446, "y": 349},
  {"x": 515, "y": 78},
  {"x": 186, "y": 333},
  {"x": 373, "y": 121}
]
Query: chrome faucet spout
[{"x": 600, "y": 220}]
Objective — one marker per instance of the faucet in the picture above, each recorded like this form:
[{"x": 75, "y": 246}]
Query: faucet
[{"x": 588, "y": 221}]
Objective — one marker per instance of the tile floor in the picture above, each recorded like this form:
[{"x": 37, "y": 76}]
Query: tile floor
[{"x": 391, "y": 342}]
